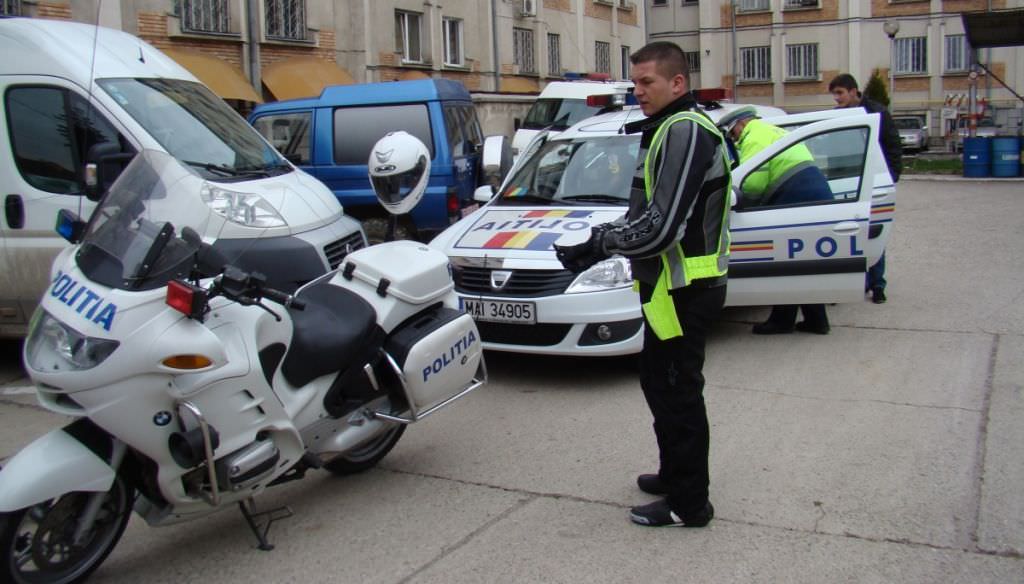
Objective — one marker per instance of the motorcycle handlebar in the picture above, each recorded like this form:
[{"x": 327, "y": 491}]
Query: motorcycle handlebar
[{"x": 249, "y": 287}]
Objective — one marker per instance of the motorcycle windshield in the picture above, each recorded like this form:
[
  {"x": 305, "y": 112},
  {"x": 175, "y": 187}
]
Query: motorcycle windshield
[{"x": 146, "y": 230}]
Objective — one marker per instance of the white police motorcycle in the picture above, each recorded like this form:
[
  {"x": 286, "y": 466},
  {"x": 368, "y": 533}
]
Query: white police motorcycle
[{"x": 192, "y": 393}]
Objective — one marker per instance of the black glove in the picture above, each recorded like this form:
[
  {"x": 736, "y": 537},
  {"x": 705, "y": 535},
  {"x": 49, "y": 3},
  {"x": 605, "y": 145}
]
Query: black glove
[{"x": 579, "y": 257}]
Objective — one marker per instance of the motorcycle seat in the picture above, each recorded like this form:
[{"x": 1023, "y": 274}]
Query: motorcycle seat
[{"x": 330, "y": 334}]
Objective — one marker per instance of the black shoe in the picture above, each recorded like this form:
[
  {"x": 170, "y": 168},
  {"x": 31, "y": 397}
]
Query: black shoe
[
  {"x": 878, "y": 295},
  {"x": 659, "y": 514},
  {"x": 770, "y": 328},
  {"x": 818, "y": 329},
  {"x": 652, "y": 484}
]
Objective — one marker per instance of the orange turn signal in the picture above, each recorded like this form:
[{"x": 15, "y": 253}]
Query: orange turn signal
[{"x": 188, "y": 362}]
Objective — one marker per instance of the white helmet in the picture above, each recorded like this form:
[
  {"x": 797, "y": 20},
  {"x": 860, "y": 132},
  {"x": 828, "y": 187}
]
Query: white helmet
[{"x": 399, "y": 168}]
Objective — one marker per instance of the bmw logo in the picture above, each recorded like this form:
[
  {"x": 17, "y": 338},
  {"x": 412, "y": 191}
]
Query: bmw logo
[{"x": 162, "y": 418}]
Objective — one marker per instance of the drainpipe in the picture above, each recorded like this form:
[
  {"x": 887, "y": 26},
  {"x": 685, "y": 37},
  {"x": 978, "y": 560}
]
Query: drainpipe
[
  {"x": 494, "y": 46},
  {"x": 735, "y": 49},
  {"x": 253, "y": 40}
]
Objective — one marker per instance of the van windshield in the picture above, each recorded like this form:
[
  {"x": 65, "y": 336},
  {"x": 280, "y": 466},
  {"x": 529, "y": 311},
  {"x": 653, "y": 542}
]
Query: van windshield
[
  {"x": 196, "y": 127},
  {"x": 558, "y": 114}
]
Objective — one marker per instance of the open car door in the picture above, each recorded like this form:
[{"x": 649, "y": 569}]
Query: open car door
[{"x": 811, "y": 251}]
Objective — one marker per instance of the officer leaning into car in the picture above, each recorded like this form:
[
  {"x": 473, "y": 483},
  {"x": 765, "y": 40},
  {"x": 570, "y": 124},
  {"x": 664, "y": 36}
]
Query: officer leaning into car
[
  {"x": 786, "y": 178},
  {"x": 676, "y": 236}
]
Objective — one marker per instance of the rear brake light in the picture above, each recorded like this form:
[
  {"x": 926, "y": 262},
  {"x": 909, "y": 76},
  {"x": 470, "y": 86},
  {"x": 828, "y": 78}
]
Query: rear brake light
[
  {"x": 187, "y": 299},
  {"x": 452, "y": 202}
]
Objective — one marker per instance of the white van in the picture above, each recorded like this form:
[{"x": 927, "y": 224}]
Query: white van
[
  {"x": 137, "y": 98},
  {"x": 560, "y": 105}
]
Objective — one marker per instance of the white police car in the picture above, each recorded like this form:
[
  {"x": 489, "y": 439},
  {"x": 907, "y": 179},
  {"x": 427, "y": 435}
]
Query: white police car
[{"x": 508, "y": 278}]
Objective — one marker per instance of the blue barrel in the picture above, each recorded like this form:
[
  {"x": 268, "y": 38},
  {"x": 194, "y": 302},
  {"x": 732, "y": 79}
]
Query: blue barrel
[
  {"x": 977, "y": 154},
  {"x": 1006, "y": 156}
]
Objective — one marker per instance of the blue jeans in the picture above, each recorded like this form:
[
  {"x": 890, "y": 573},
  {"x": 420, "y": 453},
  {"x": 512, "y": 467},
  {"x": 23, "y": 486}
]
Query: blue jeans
[{"x": 876, "y": 275}]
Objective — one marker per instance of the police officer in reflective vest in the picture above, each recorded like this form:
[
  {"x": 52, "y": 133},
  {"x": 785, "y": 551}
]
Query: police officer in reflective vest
[{"x": 676, "y": 237}]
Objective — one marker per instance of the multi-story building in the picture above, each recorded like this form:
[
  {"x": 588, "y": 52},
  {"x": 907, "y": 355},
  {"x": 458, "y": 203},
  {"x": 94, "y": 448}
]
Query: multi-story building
[
  {"x": 292, "y": 48},
  {"x": 785, "y": 52}
]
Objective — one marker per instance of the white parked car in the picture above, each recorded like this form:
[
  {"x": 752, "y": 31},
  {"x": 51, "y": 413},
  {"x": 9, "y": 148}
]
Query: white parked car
[
  {"x": 913, "y": 132},
  {"x": 509, "y": 279}
]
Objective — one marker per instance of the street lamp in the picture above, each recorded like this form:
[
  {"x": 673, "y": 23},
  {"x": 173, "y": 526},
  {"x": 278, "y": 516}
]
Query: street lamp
[{"x": 892, "y": 27}]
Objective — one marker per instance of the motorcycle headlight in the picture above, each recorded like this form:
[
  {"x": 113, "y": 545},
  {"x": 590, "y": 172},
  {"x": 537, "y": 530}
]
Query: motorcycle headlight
[
  {"x": 611, "y": 273},
  {"x": 247, "y": 209},
  {"x": 53, "y": 346}
]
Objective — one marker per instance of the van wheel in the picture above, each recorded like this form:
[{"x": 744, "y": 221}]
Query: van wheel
[{"x": 376, "y": 229}]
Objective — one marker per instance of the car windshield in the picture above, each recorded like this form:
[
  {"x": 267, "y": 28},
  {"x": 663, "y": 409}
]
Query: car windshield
[
  {"x": 580, "y": 171},
  {"x": 146, "y": 230},
  {"x": 907, "y": 123},
  {"x": 197, "y": 127},
  {"x": 557, "y": 114}
]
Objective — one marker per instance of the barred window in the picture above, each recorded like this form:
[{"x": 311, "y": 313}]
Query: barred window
[
  {"x": 554, "y": 54},
  {"x": 286, "y": 19},
  {"x": 693, "y": 60},
  {"x": 10, "y": 7},
  {"x": 204, "y": 15},
  {"x": 802, "y": 61},
  {"x": 602, "y": 57},
  {"x": 752, "y": 5},
  {"x": 522, "y": 50},
  {"x": 911, "y": 55},
  {"x": 624, "y": 57},
  {"x": 452, "y": 41},
  {"x": 958, "y": 53},
  {"x": 407, "y": 36},
  {"x": 755, "y": 64}
]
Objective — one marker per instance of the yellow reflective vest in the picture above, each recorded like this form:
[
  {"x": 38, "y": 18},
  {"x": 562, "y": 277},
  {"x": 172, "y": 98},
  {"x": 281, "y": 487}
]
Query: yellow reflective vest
[{"x": 677, "y": 270}]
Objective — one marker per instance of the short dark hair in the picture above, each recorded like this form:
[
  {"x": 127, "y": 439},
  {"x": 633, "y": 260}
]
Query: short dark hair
[
  {"x": 668, "y": 57},
  {"x": 844, "y": 80}
]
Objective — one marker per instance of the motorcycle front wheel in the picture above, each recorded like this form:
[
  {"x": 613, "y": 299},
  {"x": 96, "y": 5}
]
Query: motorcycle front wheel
[
  {"x": 37, "y": 542},
  {"x": 367, "y": 454}
]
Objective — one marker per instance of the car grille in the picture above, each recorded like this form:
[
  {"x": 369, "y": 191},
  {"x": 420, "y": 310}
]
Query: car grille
[
  {"x": 336, "y": 251},
  {"x": 521, "y": 283},
  {"x": 536, "y": 335}
]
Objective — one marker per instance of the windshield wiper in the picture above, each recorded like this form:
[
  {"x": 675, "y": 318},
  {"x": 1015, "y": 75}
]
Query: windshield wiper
[
  {"x": 597, "y": 198},
  {"x": 224, "y": 170}
]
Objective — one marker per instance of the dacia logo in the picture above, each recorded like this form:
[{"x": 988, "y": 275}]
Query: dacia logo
[{"x": 499, "y": 278}]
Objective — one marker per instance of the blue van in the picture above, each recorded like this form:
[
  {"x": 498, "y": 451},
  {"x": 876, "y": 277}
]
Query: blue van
[{"x": 331, "y": 137}]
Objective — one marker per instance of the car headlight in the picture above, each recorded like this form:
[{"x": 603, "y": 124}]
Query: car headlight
[
  {"x": 53, "y": 346},
  {"x": 247, "y": 209},
  {"x": 605, "y": 275}
]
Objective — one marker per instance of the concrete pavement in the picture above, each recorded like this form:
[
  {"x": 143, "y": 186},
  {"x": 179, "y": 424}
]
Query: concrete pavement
[{"x": 887, "y": 451}]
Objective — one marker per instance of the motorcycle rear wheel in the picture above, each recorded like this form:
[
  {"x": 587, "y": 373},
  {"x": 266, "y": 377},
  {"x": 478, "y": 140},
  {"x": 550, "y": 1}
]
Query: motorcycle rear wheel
[
  {"x": 35, "y": 542},
  {"x": 366, "y": 455}
]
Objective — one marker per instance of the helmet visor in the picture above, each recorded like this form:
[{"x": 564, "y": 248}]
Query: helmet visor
[{"x": 394, "y": 188}]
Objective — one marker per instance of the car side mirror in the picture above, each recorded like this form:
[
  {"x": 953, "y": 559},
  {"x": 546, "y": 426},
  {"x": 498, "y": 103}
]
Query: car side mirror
[
  {"x": 734, "y": 197},
  {"x": 484, "y": 193},
  {"x": 495, "y": 161},
  {"x": 103, "y": 164}
]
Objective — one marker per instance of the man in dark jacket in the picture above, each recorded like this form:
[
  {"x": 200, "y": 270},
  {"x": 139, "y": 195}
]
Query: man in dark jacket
[
  {"x": 676, "y": 236},
  {"x": 844, "y": 90}
]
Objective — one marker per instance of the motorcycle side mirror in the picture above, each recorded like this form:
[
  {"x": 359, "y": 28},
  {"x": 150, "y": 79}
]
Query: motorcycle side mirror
[{"x": 70, "y": 226}]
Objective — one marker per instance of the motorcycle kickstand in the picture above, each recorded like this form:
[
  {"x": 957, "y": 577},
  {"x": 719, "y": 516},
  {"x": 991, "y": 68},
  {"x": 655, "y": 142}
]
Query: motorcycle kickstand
[{"x": 271, "y": 516}]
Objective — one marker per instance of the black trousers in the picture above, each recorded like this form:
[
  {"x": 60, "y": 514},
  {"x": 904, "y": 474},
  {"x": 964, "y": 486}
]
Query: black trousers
[
  {"x": 672, "y": 379},
  {"x": 785, "y": 314}
]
